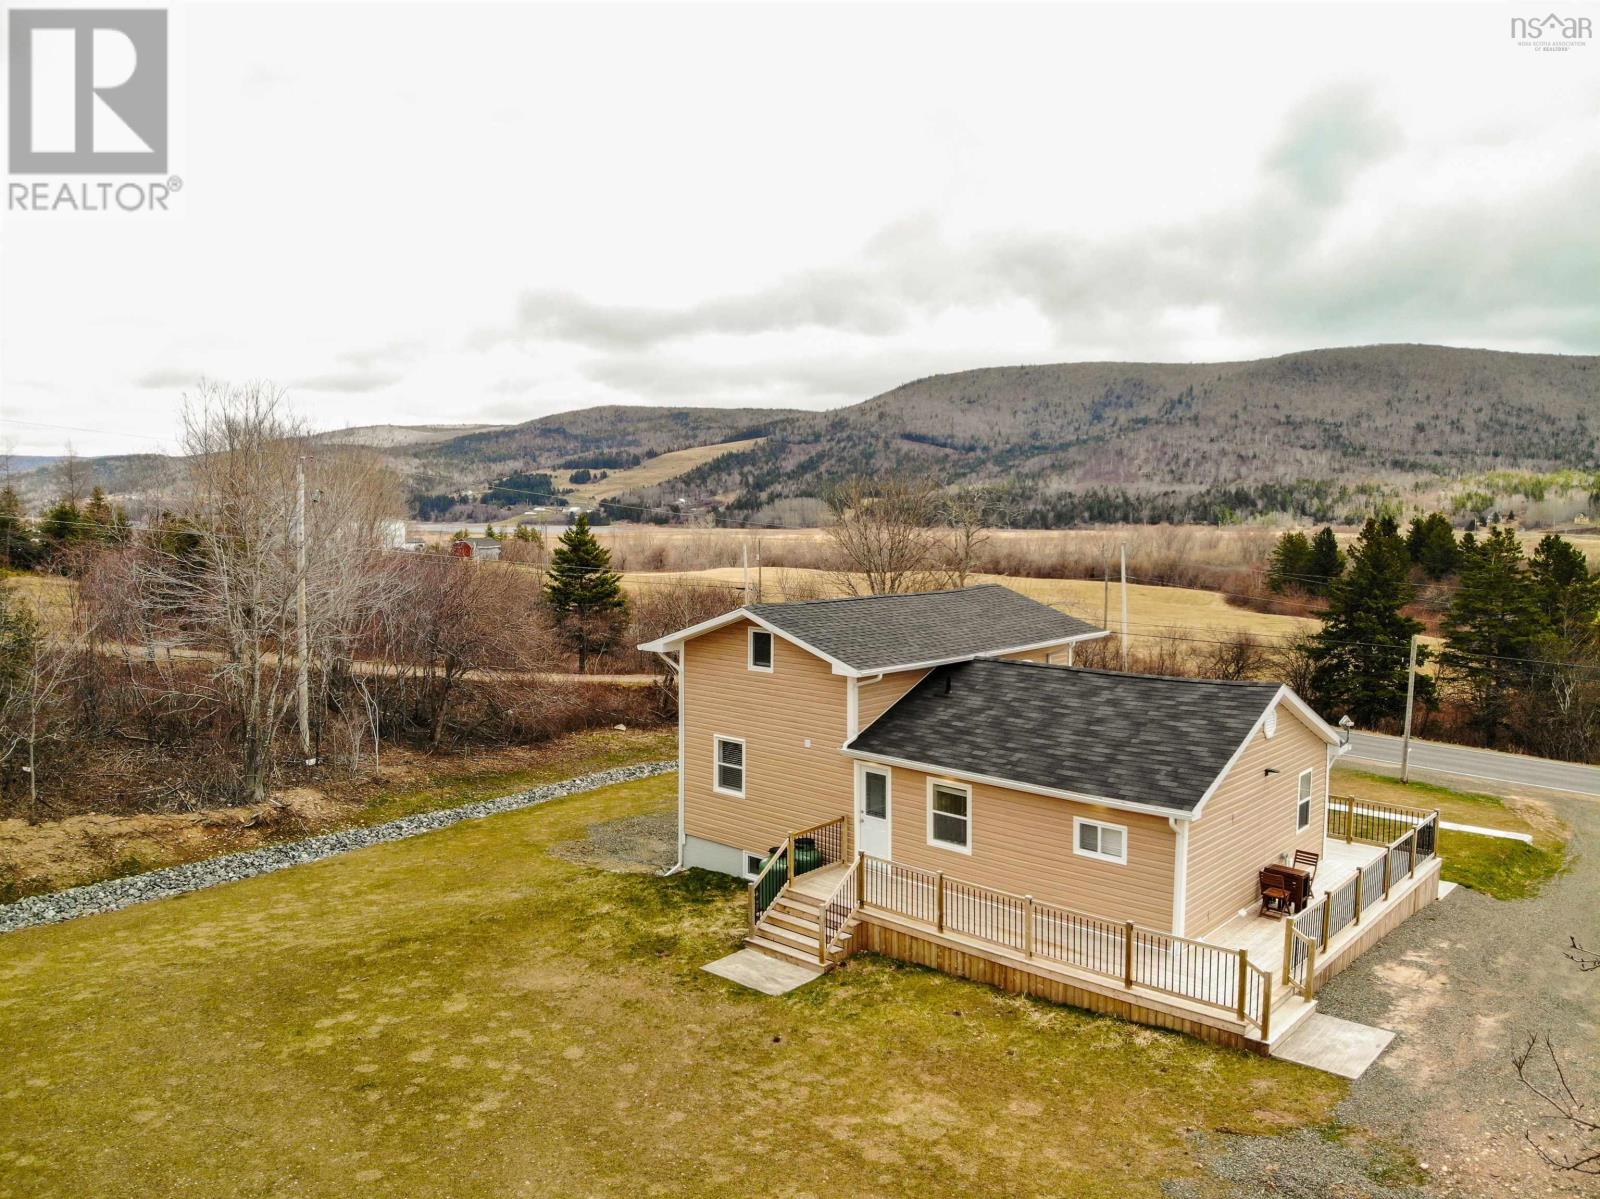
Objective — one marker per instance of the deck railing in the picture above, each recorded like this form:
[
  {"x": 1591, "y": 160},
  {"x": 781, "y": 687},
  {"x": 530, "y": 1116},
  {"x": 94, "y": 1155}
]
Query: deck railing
[
  {"x": 1371, "y": 822},
  {"x": 837, "y": 909},
  {"x": 1344, "y": 905},
  {"x": 1138, "y": 957},
  {"x": 825, "y": 844}
]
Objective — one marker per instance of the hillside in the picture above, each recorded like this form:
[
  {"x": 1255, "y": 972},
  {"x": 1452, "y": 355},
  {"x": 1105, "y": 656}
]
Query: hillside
[
  {"x": 1125, "y": 434},
  {"x": 612, "y": 437}
]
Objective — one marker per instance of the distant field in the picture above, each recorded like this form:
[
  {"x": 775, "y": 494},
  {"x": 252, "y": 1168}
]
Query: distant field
[
  {"x": 654, "y": 471},
  {"x": 50, "y": 596},
  {"x": 1151, "y": 610}
]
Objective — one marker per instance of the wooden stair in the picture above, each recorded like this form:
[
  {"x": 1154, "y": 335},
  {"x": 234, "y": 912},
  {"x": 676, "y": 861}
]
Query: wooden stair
[{"x": 788, "y": 931}]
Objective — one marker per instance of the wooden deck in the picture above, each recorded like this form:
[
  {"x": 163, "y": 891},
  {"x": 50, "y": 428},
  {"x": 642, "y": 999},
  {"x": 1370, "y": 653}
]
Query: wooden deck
[{"x": 1263, "y": 935}]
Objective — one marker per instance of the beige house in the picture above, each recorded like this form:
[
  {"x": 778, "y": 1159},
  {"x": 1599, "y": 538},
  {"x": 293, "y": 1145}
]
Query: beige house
[{"x": 930, "y": 776}]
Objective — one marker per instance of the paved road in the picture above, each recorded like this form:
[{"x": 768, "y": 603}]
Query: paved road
[{"x": 1477, "y": 763}]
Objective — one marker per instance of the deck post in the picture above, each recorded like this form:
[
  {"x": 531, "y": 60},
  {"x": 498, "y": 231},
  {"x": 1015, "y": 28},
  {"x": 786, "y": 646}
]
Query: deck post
[
  {"x": 790, "y": 862},
  {"x": 1357, "y": 919},
  {"x": 1327, "y": 907},
  {"x": 1244, "y": 981},
  {"x": 1387, "y": 858},
  {"x": 1411, "y": 855},
  {"x": 1311, "y": 970},
  {"x": 1266, "y": 1011},
  {"x": 939, "y": 903},
  {"x": 1127, "y": 954},
  {"x": 1288, "y": 949},
  {"x": 1027, "y": 925},
  {"x": 752, "y": 907},
  {"x": 861, "y": 879}
]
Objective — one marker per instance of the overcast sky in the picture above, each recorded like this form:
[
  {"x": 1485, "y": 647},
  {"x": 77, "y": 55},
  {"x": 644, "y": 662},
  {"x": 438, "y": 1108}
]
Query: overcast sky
[{"x": 454, "y": 213}]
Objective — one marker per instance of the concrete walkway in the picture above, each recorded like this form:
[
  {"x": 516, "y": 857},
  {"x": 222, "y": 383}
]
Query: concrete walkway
[
  {"x": 1334, "y": 1046},
  {"x": 754, "y": 969}
]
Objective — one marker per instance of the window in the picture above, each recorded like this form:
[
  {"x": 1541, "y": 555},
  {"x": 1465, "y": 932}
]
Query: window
[
  {"x": 875, "y": 794},
  {"x": 950, "y": 816},
  {"x": 753, "y": 863},
  {"x": 1093, "y": 839},
  {"x": 760, "y": 650},
  {"x": 1302, "y": 812},
  {"x": 729, "y": 766}
]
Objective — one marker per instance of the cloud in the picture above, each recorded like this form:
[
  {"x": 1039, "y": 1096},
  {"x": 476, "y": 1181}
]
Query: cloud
[
  {"x": 1326, "y": 251},
  {"x": 351, "y": 381},
  {"x": 1328, "y": 140},
  {"x": 164, "y": 378}
]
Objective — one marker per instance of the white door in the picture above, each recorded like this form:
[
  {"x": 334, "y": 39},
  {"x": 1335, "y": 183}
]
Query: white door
[{"x": 872, "y": 792}]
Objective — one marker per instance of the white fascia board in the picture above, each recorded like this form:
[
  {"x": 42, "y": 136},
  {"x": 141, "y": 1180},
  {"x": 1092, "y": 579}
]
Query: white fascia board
[
  {"x": 1099, "y": 801},
  {"x": 1296, "y": 705}
]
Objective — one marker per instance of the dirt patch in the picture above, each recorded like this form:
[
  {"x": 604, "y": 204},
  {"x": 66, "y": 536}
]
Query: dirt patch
[{"x": 633, "y": 845}]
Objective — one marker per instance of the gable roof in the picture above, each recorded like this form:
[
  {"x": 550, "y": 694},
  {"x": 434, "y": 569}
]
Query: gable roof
[
  {"x": 873, "y": 633},
  {"x": 1145, "y": 742}
]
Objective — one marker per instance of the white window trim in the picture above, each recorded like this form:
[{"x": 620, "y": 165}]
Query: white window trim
[
  {"x": 750, "y": 650},
  {"x": 966, "y": 790},
  {"x": 716, "y": 765},
  {"x": 1077, "y": 846},
  {"x": 1310, "y": 800},
  {"x": 747, "y": 855}
]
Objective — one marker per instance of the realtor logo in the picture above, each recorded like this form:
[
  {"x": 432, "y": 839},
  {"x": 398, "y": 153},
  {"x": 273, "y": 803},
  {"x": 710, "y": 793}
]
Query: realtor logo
[{"x": 88, "y": 91}]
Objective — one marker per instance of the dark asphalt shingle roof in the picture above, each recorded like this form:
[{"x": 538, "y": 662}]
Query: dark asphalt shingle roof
[
  {"x": 876, "y": 632},
  {"x": 1136, "y": 738}
]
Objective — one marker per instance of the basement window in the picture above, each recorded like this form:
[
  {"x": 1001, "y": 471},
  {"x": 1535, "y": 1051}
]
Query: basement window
[
  {"x": 761, "y": 650},
  {"x": 729, "y": 766},
  {"x": 1095, "y": 839}
]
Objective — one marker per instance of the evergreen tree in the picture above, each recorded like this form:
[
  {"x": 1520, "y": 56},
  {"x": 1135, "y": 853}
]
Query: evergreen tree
[
  {"x": 1327, "y": 560},
  {"x": 584, "y": 592},
  {"x": 1431, "y": 542},
  {"x": 1290, "y": 563},
  {"x": 1361, "y": 652},
  {"x": 1565, "y": 592},
  {"x": 15, "y": 545},
  {"x": 1493, "y": 627}
]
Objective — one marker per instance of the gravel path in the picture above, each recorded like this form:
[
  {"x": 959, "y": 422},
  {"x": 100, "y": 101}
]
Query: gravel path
[
  {"x": 1463, "y": 983},
  {"x": 193, "y": 876}
]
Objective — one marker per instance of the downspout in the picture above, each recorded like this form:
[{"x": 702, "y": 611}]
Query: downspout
[
  {"x": 1180, "y": 873},
  {"x": 677, "y": 669}
]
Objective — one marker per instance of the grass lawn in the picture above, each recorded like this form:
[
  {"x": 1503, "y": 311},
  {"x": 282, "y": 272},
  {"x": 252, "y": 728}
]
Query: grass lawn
[
  {"x": 466, "y": 1014},
  {"x": 1497, "y": 866}
]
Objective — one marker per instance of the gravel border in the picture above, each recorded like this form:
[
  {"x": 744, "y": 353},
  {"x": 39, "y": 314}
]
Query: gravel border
[{"x": 118, "y": 893}]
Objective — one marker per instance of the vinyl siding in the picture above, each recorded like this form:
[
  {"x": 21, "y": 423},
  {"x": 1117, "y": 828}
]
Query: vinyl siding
[
  {"x": 1023, "y": 843},
  {"x": 877, "y": 698},
  {"x": 787, "y": 785},
  {"x": 1249, "y": 822}
]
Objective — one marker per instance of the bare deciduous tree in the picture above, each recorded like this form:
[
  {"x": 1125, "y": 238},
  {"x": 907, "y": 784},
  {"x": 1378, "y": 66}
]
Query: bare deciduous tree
[
  {"x": 218, "y": 582},
  {"x": 970, "y": 514},
  {"x": 885, "y": 535}
]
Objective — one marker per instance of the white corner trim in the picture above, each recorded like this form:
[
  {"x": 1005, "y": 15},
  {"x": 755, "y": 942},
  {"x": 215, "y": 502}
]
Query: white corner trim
[
  {"x": 1180, "y": 875},
  {"x": 852, "y": 708}
]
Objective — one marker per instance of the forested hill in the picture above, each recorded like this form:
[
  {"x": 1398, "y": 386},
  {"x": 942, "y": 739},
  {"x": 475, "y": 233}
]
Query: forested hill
[{"x": 1346, "y": 416}]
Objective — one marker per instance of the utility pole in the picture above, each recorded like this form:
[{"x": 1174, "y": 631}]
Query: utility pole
[
  {"x": 1411, "y": 695},
  {"x": 1124, "y": 552},
  {"x": 760, "y": 593},
  {"x": 746, "y": 560},
  {"x": 1105, "y": 614},
  {"x": 303, "y": 690}
]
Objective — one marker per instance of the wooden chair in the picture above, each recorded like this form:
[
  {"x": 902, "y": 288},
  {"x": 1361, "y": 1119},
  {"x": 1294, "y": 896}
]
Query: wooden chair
[
  {"x": 1274, "y": 895},
  {"x": 1307, "y": 861}
]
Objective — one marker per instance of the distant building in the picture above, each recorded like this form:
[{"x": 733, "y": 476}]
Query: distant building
[{"x": 484, "y": 548}]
